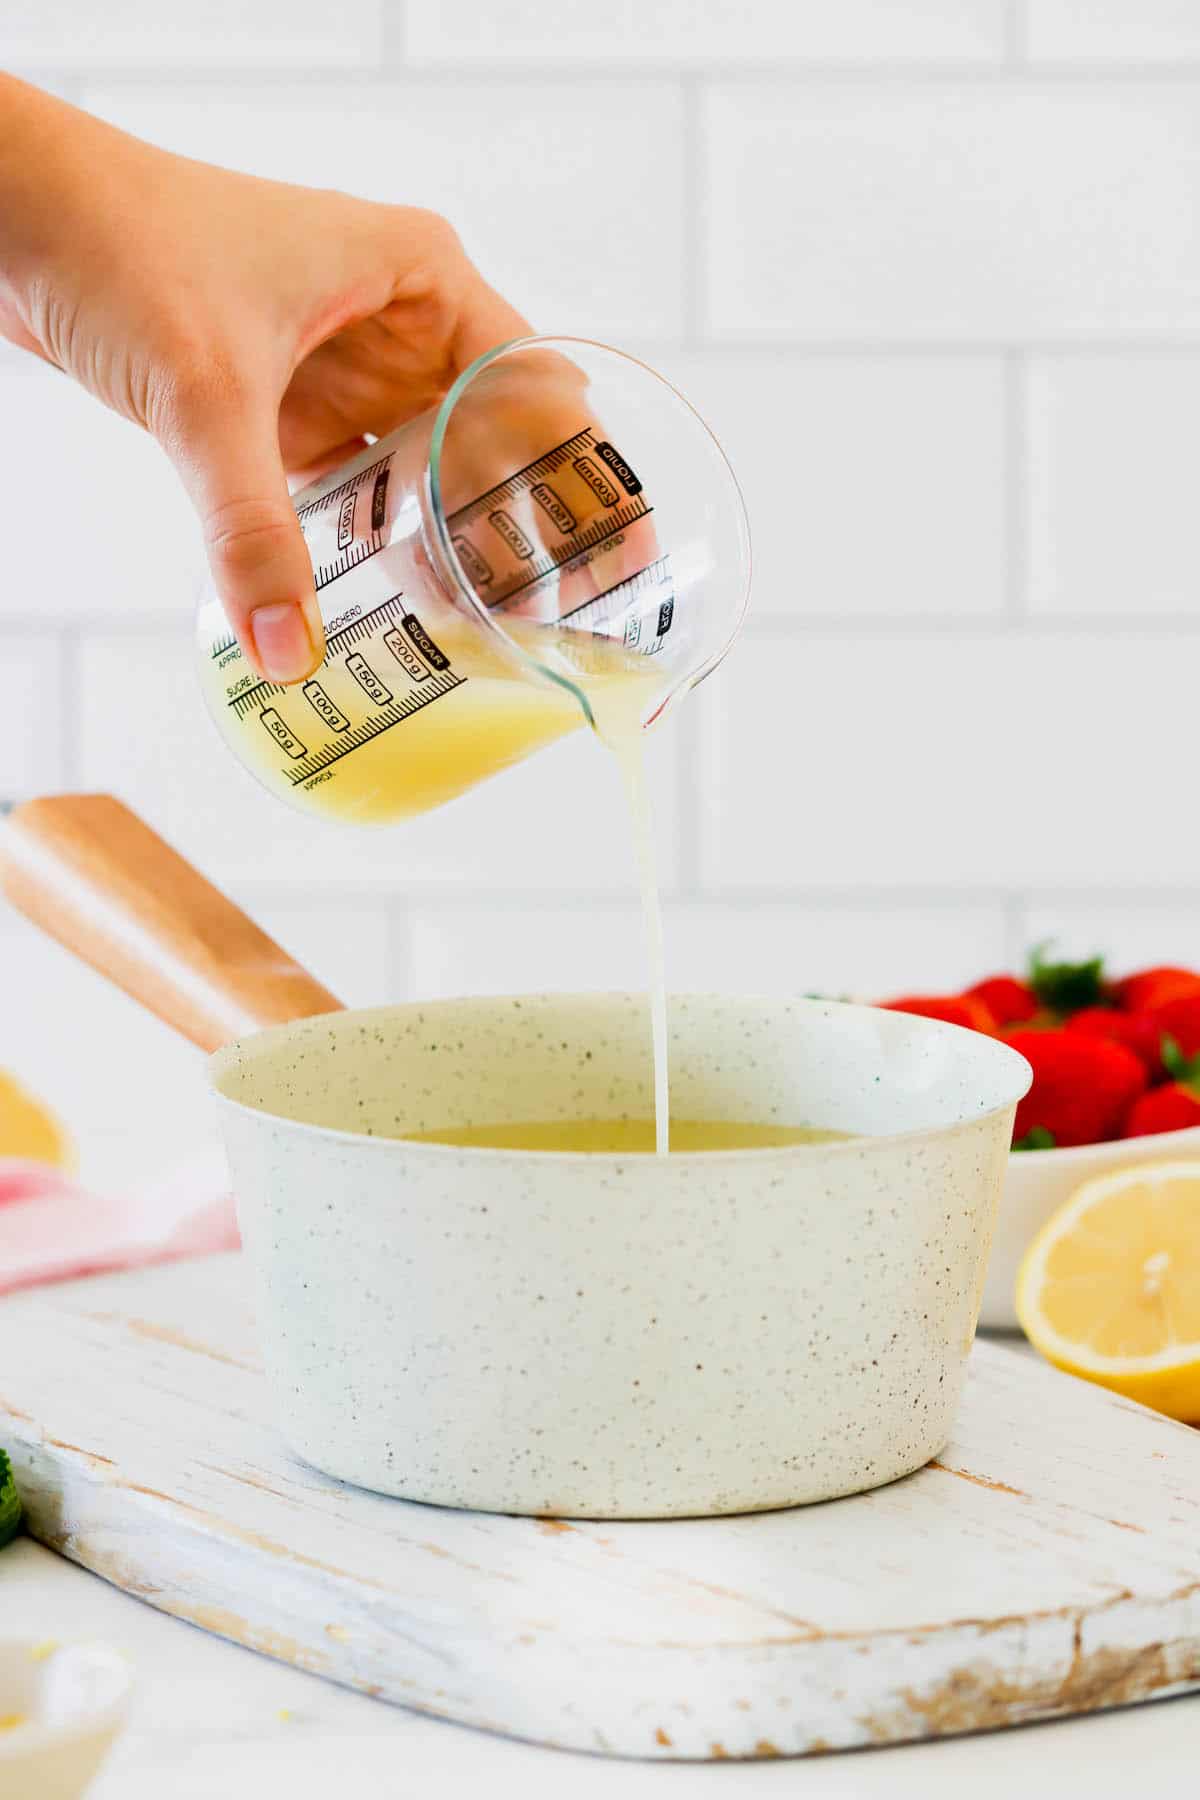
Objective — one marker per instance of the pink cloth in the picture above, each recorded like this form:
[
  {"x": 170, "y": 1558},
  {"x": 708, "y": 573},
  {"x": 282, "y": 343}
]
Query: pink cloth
[{"x": 51, "y": 1229}]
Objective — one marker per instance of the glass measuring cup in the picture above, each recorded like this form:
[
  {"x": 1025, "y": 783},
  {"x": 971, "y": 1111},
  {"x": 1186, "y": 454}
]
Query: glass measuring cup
[{"x": 560, "y": 542}]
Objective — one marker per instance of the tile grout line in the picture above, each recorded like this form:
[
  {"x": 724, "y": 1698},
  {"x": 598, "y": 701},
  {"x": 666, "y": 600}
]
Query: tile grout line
[
  {"x": 1016, "y": 929},
  {"x": 1016, "y": 36},
  {"x": 916, "y": 349},
  {"x": 693, "y": 214},
  {"x": 1016, "y": 488},
  {"x": 400, "y": 948},
  {"x": 451, "y": 897},
  {"x": 70, "y": 700},
  {"x": 762, "y": 627},
  {"x": 393, "y": 35},
  {"x": 1003, "y": 69},
  {"x": 769, "y": 346},
  {"x": 685, "y": 798}
]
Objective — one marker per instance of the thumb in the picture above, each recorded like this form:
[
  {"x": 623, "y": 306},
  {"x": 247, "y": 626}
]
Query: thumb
[{"x": 226, "y": 450}]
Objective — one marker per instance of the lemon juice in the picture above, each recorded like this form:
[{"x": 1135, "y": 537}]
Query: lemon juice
[
  {"x": 401, "y": 718},
  {"x": 618, "y": 717},
  {"x": 367, "y": 741},
  {"x": 625, "y": 1137}
]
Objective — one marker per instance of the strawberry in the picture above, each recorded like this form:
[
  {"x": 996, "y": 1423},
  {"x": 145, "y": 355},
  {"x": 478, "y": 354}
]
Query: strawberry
[
  {"x": 1179, "y": 1018},
  {"x": 1149, "y": 988},
  {"x": 1082, "y": 1086},
  {"x": 1173, "y": 1107},
  {"x": 1010, "y": 1002},
  {"x": 1170, "y": 1108},
  {"x": 1138, "y": 1033},
  {"x": 955, "y": 1009}
]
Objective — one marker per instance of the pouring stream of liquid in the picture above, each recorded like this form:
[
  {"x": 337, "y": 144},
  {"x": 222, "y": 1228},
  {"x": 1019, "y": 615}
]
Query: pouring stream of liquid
[{"x": 618, "y": 713}]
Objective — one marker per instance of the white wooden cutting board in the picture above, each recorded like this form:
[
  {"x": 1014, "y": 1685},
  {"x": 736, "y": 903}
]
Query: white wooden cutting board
[{"x": 1048, "y": 1562}]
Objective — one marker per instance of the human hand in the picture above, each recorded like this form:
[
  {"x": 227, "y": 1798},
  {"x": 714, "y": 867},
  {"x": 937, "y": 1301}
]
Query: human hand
[{"x": 255, "y": 329}]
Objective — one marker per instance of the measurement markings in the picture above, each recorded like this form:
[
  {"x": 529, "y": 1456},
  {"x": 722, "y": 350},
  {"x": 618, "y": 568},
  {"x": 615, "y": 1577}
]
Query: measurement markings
[
  {"x": 346, "y": 636},
  {"x": 590, "y": 538},
  {"x": 394, "y": 713},
  {"x": 436, "y": 681},
  {"x": 652, "y": 575},
  {"x": 518, "y": 482},
  {"x": 351, "y": 551}
]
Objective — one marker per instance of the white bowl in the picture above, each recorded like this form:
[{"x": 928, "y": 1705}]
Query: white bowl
[
  {"x": 1038, "y": 1183},
  {"x": 73, "y": 1702}
]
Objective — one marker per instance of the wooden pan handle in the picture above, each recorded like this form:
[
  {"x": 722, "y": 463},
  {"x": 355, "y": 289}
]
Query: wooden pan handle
[{"x": 89, "y": 872}]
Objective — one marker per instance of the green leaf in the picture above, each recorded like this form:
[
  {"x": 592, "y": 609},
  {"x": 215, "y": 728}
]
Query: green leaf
[
  {"x": 10, "y": 1501},
  {"x": 1066, "y": 987},
  {"x": 1036, "y": 1139},
  {"x": 1183, "y": 1069}
]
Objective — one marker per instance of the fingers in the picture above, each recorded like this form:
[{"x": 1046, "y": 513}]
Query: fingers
[
  {"x": 486, "y": 319},
  {"x": 225, "y": 445},
  {"x": 302, "y": 475}
]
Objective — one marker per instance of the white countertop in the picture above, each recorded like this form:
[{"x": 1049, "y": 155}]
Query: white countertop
[{"x": 215, "y": 1722}]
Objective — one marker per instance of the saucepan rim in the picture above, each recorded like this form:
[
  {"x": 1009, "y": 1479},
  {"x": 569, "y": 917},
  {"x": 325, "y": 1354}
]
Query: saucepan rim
[{"x": 230, "y": 1057}]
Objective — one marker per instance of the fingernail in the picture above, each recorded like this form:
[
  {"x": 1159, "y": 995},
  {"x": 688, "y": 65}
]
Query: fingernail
[
  {"x": 285, "y": 644},
  {"x": 316, "y": 625}
]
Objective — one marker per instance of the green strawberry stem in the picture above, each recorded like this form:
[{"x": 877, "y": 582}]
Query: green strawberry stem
[
  {"x": 1065, "y": 987},
  {"x": 10, "y": 1501},
  {"x": 1183, "y": 1069},
  {"x": 1038, "y": 1138}
]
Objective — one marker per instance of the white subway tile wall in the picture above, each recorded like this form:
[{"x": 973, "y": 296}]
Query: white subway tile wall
[
  {"x": 1113, "y": 525},
  {"x": 876, "y": 483},
  {"x": 905, "y": 757},
  {"x": 531, "y": 174},
  {"x": 1113, "y": 31},
  {"x": 97, "y": 523},
  {"x": 217, "y": 34},
  {"x": 31, "y": 716},
  {"x": 508, "y": 33},
  {"x": 950, "y": 210},
  {"x": 842, "y": 950},
  {"x": 931, "y": 270}
]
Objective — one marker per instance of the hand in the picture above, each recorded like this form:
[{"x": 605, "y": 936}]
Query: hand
[{"x": 255, "y": 329}]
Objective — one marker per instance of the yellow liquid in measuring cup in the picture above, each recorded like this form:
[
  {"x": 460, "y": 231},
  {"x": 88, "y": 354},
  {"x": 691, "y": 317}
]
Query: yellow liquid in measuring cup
[
  {"x": 397, "y": 722},
  {"x": 625, "y": 1137}
]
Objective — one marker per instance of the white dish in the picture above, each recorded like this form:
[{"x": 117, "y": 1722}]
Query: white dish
[
  {"x": 1038, "y": 1183},
  {"x": 71, "y": 1702}
]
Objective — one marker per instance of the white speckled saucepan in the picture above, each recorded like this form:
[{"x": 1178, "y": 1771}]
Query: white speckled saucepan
[
  {"x": 617, "y": 1336},
  {"x": 605, "y": 1336}
]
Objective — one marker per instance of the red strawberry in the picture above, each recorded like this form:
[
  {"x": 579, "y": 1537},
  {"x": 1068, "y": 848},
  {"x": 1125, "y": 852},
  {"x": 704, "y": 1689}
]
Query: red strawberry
[
  {"x": 1082, "y": 1086},
  {"x": 1151, "y": 987},
  {"x": 1170, "y": 1108},
  {"x": 1179, "y": 1018},
  {"x": 1010, "y": 1002},
  {"x": 955, "y": 1009},
  {"x": 1138, "y": 1033}
]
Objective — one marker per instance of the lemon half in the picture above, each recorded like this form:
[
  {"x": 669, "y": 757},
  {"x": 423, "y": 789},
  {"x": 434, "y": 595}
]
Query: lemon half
[
  {"x": 1110, "y": 1287},
  {"x": 28, "y": 1129}
]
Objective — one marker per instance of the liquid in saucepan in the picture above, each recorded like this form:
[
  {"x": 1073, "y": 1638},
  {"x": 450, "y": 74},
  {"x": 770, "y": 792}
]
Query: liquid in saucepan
[{"x": 624, "y": 1137}]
